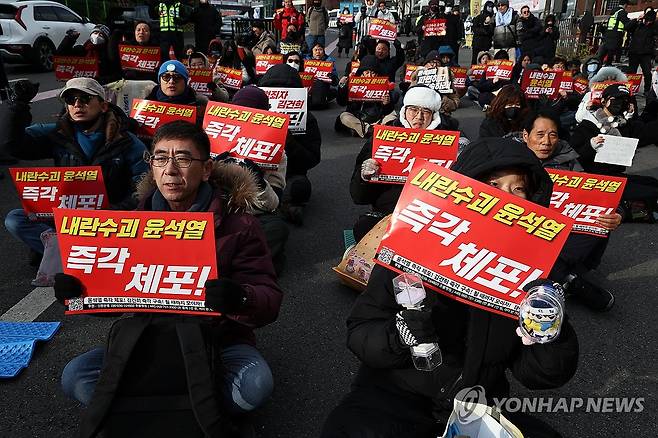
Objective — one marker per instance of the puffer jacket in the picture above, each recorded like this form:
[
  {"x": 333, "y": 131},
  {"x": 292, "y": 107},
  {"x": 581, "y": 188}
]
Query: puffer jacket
[
  {"x": 266, "y": 40},
  {"x": 564, "y": 157},
  {"x": 317, "y": 20},
  {"x": 478, "y": 347}
]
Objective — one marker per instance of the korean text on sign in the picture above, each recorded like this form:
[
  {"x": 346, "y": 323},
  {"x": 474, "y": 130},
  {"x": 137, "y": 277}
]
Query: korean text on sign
[
  {"x": 435, "y": 27},
  {"x": 480, "y": 245},
  {"x": 437, "y": 79},
  {"x": 140, "y": 58},
  {"x": 459, "y": 77},
  {"x": 42, "y": 189},
  {"x": 372, "y": 89},
  {"x": 264, "y": 62},
  {"x": 537, "y": 83},
  {"x": 69, "y": 67},
  {"x": 152, "y": 114},
  {"x": 499, "y": 68},
  {"x": 409, "y": 70},
  {"x": 477, "y": 71},
  {"x": 290, "y": 101},
  {"x": 138, "y": 261},
  {"x": 321, "y": 70},
  {"x": 381, "y": 29},
  {"x": 246, "y": 133},
  {"x": 199, "y": 80},
  {"x": 396, "y": 150},
  {"x": 583, "y": 197},
  {"x": 230, "y": 77}
]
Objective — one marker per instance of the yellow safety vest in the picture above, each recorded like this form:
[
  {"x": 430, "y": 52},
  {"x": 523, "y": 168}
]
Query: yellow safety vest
[
  {"x": 168, "y": 16},
  {"x": 614, "y": 24}
]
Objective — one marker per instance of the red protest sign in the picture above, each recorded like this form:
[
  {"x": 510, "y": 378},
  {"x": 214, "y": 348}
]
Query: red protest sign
[
  {"x": 265, "y": 62},
  {"x": 435, "y": 27},
  {"x": 372, "y": 89},
  {"x": 139, "y": 58},
  {"x": 381, "y": 29},
  {"x": 580, "y": 85},
  {"x": 566, "y": 84},
  {"x": 537, "y": 83},
  {"x": 499, "y": 68},
  {"x": 409, "y": 70},
  {"x": 42, "y": 189},
  {"x": 246, "y": 133},
  {"x": 583, "y": 197},
  {"x": 396, "y": 150},
  {"x": 634, "y": 79},
  {"x": 598, "y": 88},
  {"x": 470, "y": 241},
  {"x": 199, "y": 80},
  {"x": 354, "y": 67},
  {"x": 69, "y": 67},
  {"x": 321, "y": 69},
  {"x": 458, "y": 77},
  {"x": 152, "y": 114},
  {"x": 230, "y": 77},
  {"x": 307, "y": 79},
  {"x": 477, "y": 71},
  {"x": 138, "y": 261},
  {"x": 346, "y": 18}
]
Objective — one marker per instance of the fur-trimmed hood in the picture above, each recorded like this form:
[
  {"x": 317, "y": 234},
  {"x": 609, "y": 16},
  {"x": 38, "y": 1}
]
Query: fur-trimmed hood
[
  {"x": 608, "y": 74},
  {"x": 235, "y": 186}
]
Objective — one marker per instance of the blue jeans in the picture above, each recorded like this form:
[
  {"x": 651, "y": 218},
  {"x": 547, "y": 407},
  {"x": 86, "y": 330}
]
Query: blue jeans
[
  {"x": 312, "y": 39},
  {"x": 247, "y": 381},
  {"x": 26, "y": 230}
]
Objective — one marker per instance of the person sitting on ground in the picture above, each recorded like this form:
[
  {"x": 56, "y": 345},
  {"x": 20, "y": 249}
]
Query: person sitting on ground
[
  {"x": 143, "y": 36},
  {"x": 246, "y": 293},
  {"x": 389, "y": 397},
  {"x": 506, "y": 113},
  {"x": 263, "y": 38},
  {"x": 198, "y": 60},
  {"x": 449, "y": 101},
  {"x": 294, "y": 60},
  {"x": 294, "y": 40},
  {"x": 387, "y": 65},
  {"x": 421, "y": 110},
  {"x": 303, "y": 151},
  {"x": 322, "y": 92},
  {"x": 90, "y": 132},
  {"x": 473, "y": 92},
  {"x": 214, "y": 52},
  {"x": 238, "y": 58},
  {"x": 519, "y": 68},
  {"x": 359, "y": 117},
  {"x": 488, "y": 88},
  {"x": 101, "y": 45}
]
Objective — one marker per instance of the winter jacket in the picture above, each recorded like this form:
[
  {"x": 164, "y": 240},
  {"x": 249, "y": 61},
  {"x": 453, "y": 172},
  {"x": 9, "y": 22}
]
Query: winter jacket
[
  {"x": 109, "y": 67},
  {"x": 505, "y": 37},
  {"x": 386, "y": 14},
  {"x": 383, "y": 197},
  {"x": 478, "y": 347},
  {"x": 265, "y": 40},
  {"x": 390, "y": 66},
  {"x": 607, "y": 73},
  {"x": 287, "y": 16},
  {"x": 529, "y": 33},
  {"x": 491, "y": 128},
  {"x": 483, "y": 33},
  {"x": 317, "y": 20},
  {"x": 189, "y": 97},
  {"x": 119, "y": 153},
  {"x": 429, "y": 43},
  {"x": 563, "y": 157},
  {"x": 242, "y": 253},
  {"x": 643, "y": 37},
  {"x": 548, "y": 43},
  {"x": 207, "y": 24},
  {"x": 613, "y": 38}
]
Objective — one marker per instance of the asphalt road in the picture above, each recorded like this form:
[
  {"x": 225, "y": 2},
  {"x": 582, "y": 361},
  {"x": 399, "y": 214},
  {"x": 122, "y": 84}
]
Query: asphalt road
[{"x": 306, "y": 346}]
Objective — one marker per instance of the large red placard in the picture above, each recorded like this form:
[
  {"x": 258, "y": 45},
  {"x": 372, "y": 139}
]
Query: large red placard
[
  {"x": 537, "y": 83},
  {"x": 459, "y": 77},
  {"x": 470, "y": 241},
  {"x": 499, "y": 68},
  {"x": 42, "y": 189},
  {"x": 321, "y": 70},
  {"x": 69, "y": 67},
  {"x": 478, "y": 70},
  {"x": 138, "y": 261},
  {"x": 246, "y": 133},
  {"x": 230, "y": 77},
  {"x": 396, "y": 150},
  {"x": 372, "y": 89},
  {"x": 435, "y": 27},
  {"x": 152, "y": 114},
  {"x": 583, "y": 197},
  {"x": 199, "y": 80},
  {"x": 264, "y": 62},
  {"x": 381, "y": 29},
  {"x": 139, "y": 58}
]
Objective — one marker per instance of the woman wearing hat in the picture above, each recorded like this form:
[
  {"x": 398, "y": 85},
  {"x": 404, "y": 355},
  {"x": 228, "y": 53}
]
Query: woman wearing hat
[{"x": 100, "y": 45}]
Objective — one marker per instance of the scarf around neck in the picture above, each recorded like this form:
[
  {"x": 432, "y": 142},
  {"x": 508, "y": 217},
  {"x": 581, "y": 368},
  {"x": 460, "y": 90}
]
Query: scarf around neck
[{"x": 504, "y": 19}]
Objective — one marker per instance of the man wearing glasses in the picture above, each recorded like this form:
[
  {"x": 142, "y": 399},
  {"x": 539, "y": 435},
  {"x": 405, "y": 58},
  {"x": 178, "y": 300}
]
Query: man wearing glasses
[
  {"x": 529, "y": 30},
  {"x": 505, "y": 36},
  {"x": 90, "y": 132}
]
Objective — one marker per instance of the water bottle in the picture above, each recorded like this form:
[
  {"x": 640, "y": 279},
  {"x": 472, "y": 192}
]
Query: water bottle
[
  {"x": 410, "y": 294},
  {"x": 542, "y": 312}
]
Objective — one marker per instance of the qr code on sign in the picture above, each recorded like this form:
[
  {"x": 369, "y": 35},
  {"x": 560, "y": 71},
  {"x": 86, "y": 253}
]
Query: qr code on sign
[
  {"x": 385, "y": 255},
  {"x": 75, "y": 304}
]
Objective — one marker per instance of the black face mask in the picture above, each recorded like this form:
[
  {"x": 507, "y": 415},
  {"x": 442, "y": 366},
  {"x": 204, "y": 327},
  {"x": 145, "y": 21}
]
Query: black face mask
[
  {"x": 617, "y": 107},
  {"x": 512, "y": 112}
]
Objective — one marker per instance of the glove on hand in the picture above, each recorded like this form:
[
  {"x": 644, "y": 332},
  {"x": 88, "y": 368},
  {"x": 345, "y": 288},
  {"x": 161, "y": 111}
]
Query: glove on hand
[
  {"x": 66, "y": 287},
  {"x": 415, "y": 327},
  {"x": 225, "y": 296},
  {"x": 369, "y": 168}
]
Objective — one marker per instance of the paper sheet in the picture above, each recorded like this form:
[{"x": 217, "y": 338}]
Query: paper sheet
[{"x": 616, "y": 150}]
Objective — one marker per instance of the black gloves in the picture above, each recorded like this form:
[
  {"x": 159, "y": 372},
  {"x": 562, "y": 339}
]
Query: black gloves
[
  {"x": 415, "y": 327},
  {"x": 225, "y": 296},
  {"x": 67, "y": 287}
]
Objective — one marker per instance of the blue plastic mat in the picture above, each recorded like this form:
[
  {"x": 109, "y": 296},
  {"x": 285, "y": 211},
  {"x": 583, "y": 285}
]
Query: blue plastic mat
[
  {"x": 17, "y": 341},
  {"x": 348, "y": 237}
]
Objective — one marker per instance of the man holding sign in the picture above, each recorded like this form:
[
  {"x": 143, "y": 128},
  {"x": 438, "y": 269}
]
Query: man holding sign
[
  {"x": 183, "y": 178},
  {"x": 478, "y": 346}
]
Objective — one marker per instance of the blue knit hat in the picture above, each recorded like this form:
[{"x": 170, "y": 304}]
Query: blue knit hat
[{"x": 173, "y": 66}]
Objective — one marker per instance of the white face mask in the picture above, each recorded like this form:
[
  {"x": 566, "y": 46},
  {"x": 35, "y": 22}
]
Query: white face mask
[
  {"x": 448, "y": 9},
  {"x": 294, "y": 65},
  {"x": 96, "y": 38}
]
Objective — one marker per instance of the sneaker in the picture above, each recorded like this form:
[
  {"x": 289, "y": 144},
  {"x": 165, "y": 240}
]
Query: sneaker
[{"x": 591, "y": 294}]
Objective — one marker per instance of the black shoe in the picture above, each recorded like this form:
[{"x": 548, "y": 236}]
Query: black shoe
[
  {"x": 35, "y": 258},
  {"x": 591, "y": 294}
]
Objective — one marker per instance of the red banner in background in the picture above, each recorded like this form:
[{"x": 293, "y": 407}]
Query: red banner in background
[
  {"x": 372, "y": 89},
  {"x": 246, "y": 133},
  {"x": 634, "y": 79},
  {"x": 321, "y": 70},
  {"x": 69, "y": 67},
  {"x": 381, "y": 29},
  {"x": 459, "y": 77},
  {"x": 138, "y": 261},
  {"x": 266, "y": 62},
  {"x": 139, "y": 58},
  {"x": 470, "y": 241},
  {"x": 499, "y": 68},
  {"x": 435, "y": 27},
  {"x": 598, "y": 88},
  {"x": 354, "y": 67},
  {"x": 230, "y": 77},
  {"x": 580, "y": 85},
  {"x": 537, "y": 83},
  {"x": 199, "y": 80},
  {"x": 396, "y": 150},
  {"x": 583, "y": 197},
  {"x": 409, "y": 70},
  {"x": 477, "y": 71},
  {"x": 566, "y": 84},
  {"x": 151, "y": 114},
  {"x": 42, "y": 189}
]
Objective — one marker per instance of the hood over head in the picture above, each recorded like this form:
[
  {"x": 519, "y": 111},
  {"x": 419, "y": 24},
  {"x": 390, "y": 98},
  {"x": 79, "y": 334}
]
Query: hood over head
[
  {"x": 369, "y": 62},
  {"x": 424, "y": 97},
  {"x": 281, "y": 75},
  {"x": 608, "y": 74}
]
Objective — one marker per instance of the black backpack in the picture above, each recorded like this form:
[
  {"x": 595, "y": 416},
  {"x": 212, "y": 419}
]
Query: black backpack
[{"x": 158, "y": 379}]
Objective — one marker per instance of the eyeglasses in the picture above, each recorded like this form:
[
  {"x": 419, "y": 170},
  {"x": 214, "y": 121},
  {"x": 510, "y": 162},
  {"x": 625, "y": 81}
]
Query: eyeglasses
[
  {"x": 168, "y": 77},
  {"x": 83, "y": 98},
  {"x": 293, "y": 61},
  {"x": 415, "y": 110},
  {"x": 180, "y": 161}
]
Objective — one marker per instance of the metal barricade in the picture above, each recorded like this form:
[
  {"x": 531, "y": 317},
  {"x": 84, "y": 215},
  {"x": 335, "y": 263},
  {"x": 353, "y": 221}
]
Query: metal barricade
[{"x": 242, "y": 27}]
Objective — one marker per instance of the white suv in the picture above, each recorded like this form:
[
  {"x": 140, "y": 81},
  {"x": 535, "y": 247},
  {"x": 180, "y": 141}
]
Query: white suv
[{"x": 30, "y": 31}]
